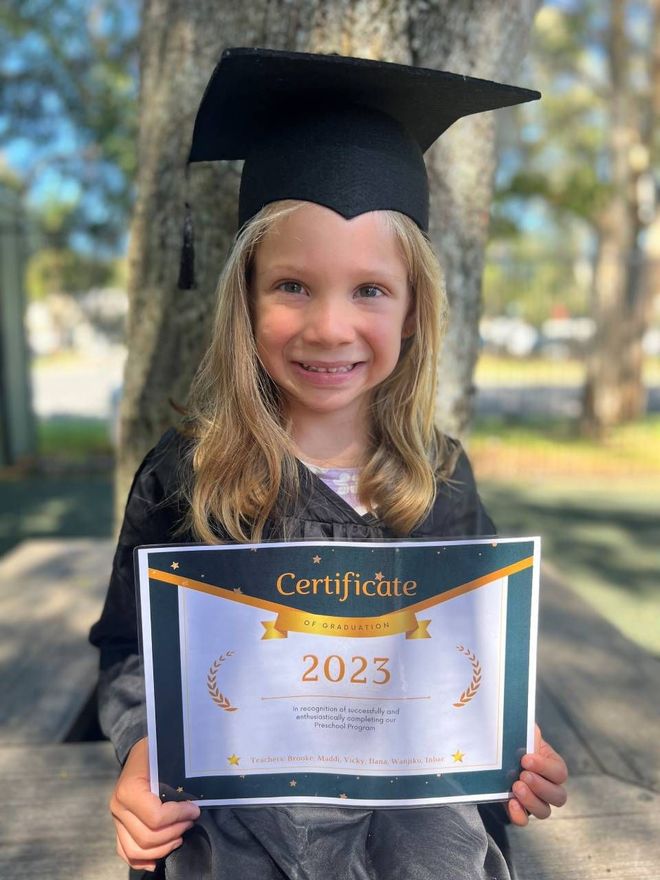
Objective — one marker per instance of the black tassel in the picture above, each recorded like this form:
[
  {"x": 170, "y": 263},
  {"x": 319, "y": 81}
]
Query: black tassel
[{"x": 187, "y": 263}]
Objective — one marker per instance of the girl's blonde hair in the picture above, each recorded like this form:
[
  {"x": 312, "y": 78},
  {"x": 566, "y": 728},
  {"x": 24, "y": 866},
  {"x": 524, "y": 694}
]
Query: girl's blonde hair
[{"x": 243, "y": 461}]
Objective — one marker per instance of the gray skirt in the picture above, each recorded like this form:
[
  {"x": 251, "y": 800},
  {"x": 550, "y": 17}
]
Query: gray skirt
[{"x": 330, "y": 843}]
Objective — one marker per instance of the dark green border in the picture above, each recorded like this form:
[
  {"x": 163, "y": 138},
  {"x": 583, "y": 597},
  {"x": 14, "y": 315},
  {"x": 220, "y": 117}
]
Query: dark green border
[{"x": 169, "y": 715}]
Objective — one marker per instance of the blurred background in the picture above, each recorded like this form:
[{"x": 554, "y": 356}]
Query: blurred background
[{"x": 565, "y": 433}]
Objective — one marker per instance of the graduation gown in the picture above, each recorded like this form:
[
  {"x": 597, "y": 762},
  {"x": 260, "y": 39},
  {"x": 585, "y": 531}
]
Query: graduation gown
[{"x": 300, "y": 842}]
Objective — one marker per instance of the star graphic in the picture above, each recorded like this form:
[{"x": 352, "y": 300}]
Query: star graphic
[
  {"x": 179, "y": 789},
  {"x": 174, "y": 566},
  {"x": 343, "y": 795},
  {"x": 233, "y": 760},
  {"x": 293, "y": 783},
  {"x": 237, "y": 590},
  {"x": 316, "y": 559},
  {"x": 458, "y": 756},
  {"x": 379, "y": 575}
]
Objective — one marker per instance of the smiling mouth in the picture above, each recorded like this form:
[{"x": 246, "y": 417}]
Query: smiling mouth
[{"x": 318, "y": 368}]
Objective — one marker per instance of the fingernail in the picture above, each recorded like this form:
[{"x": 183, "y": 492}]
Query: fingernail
[{"x": 527, "y": 777}]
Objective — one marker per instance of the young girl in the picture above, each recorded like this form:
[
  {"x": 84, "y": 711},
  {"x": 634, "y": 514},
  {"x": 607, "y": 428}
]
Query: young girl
[{"x": 311, "y": 417}]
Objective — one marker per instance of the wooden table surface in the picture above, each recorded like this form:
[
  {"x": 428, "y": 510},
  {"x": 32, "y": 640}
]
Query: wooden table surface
[{"x": 598, "y": 703}]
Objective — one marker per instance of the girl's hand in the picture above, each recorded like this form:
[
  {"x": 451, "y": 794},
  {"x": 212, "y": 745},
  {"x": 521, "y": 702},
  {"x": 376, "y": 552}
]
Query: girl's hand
[
  {"x": 146, "y": 828},
  {"x": 541, "y": 784}
]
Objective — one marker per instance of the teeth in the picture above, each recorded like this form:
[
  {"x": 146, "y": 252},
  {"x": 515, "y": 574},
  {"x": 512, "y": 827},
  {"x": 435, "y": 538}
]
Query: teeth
[{"x": 313, "y": 369}]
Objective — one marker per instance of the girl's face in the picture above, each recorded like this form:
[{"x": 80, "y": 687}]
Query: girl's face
[{"x": 331, "y": 304}]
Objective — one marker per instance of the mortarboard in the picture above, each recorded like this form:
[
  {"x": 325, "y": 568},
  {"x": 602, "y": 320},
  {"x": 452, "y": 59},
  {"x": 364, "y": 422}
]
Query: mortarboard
[{"x": 346, "y": 133}]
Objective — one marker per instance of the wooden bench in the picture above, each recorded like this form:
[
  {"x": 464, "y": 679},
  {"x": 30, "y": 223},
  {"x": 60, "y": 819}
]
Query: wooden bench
[
  {"x": 54, "y": 820},
  {"x": 51, "y": 592},
  {"x": 598, "y": 700}
]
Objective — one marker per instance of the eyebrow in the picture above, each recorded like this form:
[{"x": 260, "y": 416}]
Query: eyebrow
[{"x": 366, "y": 272}]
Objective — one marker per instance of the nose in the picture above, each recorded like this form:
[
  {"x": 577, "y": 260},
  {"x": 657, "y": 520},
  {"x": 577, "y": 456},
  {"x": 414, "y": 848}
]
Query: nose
[{"x": 329, "y": 322}]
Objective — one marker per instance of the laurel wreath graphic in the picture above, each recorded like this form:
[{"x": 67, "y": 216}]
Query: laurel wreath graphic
[
  {"x": 212, "y": 684},
  {"x": 471, "y": 690}
]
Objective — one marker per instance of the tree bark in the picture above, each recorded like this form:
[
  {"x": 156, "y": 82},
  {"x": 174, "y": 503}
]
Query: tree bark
[
  {"x": 180, "y": 44},
  {"x": 614, "y": 391},
  {"x": 484, "y": 38}
]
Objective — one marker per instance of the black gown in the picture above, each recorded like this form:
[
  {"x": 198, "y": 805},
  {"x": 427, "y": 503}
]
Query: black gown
[{"x": 298, "y": 842}]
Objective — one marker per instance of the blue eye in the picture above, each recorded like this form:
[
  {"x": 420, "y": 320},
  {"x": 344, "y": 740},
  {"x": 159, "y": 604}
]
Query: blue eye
[
  {"x": 370, "y": 291},
  {"x": 291, "y": 287}
]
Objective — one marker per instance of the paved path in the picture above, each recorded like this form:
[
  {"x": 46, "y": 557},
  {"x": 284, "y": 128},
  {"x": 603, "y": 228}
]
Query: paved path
[
  {"x": 78, "y": 387},
  {"x": 560, "y": 401}
]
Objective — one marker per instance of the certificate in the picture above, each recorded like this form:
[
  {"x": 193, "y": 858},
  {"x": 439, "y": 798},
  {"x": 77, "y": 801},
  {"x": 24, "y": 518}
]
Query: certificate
[{"x": 365, "y": 674}]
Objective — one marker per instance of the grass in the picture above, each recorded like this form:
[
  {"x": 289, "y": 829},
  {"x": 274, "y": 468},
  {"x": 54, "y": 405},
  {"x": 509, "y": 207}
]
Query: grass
[
  {"x": 502, "y": 448},
  {"x": 73, "y": 438},
  {"x": 596, "y": 506},
  {"x": 493, "y": 370},
  {"x": 602, "y": 539}
]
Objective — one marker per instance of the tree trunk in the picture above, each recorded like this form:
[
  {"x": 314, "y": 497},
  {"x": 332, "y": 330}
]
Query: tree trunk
[
  {"x": 181, "y": 43},
  {"x": 614, "y": 392},
  {"x": 484, "y": 38}
]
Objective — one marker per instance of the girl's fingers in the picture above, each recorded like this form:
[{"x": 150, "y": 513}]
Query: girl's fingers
[
  {"x": 544, "y": 789},
  {"x": 541, "y": 783},
  {"x": 533, "y": 804},
  {"x": 517, "y": 813},
  {"x": 133, "y": 852},
  {"x": 149, "y": 838},
  {"x": 146, "y": 828},
  {"x": 132, "y": 797},
  {"x": 547, "y": 763},
  {"x": 138, "y": 864}
]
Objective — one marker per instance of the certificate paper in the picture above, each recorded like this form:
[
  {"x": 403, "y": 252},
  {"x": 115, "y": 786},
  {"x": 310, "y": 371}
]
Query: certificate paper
[{"x": 388, "y": 674}]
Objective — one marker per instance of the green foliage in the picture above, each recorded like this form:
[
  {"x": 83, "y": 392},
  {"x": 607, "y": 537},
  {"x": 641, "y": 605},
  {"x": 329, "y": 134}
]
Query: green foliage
[
  {"x": 531, "y": 279},
  {"x": 69, "y": 93},
  {"x": 556, "y": 175},
  {"x": 54, "y": 270},
  {"x": 531, "y": 289},
  {"x": 558, "y": 152}
]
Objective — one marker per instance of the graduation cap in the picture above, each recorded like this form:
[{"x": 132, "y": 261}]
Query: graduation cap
[{"x": 346, "y": 133}]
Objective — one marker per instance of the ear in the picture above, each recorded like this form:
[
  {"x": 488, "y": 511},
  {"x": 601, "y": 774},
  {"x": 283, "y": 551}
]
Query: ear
[{"x": 409, "y": 323}]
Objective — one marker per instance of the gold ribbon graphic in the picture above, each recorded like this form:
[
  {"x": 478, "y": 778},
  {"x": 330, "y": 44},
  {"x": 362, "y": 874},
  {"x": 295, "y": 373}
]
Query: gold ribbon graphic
[{"x": 293, "y": 620}]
